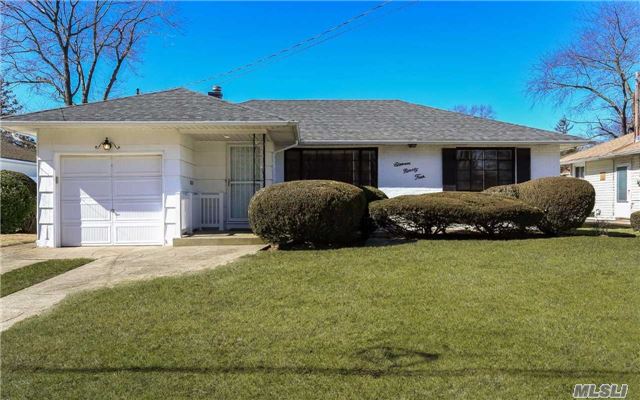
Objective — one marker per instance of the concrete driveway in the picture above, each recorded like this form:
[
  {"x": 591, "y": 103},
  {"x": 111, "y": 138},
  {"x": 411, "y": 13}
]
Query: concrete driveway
[{"x": 112, "y": 265}]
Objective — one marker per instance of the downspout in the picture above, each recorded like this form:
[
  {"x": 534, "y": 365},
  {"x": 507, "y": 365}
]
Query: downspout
[
  {"x": 273, "y": 155},
  {"x": 253, "y": 165}
]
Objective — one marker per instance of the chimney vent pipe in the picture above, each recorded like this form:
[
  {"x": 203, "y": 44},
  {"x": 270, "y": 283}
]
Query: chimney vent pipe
[{"x": 216, "y": 92}]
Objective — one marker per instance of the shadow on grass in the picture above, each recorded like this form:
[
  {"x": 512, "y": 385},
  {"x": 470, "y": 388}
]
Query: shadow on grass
[
  {"x": 382, "y": 241},
  {"x": 331, "y": 371},
  {"x": 593, "y": 232}
]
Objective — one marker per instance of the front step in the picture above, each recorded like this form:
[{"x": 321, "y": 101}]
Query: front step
[{"x": 219, "y": 239}]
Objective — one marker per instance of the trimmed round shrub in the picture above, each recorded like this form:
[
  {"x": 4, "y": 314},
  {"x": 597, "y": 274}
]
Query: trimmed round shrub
[
  {"x": 308, "y": 212},
  {"x": 635, "y": 221},
  {"x": 428, "y": 214},
  {"x": 504, "y": 190},
  {"x": 17, "y": 201},
  {"x": 566, "y": 202}
]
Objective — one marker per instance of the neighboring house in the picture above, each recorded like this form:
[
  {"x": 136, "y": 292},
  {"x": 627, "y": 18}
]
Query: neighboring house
[
  {"x": 181, "y": 160},
  {"x": 613, "y": 168},
  {"x": 18, "y": 156}
]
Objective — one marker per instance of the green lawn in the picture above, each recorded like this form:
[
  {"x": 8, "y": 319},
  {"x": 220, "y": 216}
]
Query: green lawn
[
  {"x": 24, "y": 277},
  {"x": 469, "y": 319}
]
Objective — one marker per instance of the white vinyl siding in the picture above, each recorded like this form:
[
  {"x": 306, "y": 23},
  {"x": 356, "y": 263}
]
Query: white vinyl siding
[
  {"x": 634, "y": 182},
  {"x": 600, "y": 174}
]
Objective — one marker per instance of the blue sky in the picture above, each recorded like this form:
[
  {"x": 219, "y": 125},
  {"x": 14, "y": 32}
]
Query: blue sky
[{"x": 437, "y": 54}]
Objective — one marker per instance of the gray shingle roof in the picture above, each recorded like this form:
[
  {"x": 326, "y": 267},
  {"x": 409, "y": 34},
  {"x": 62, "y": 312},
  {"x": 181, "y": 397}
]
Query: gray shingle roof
[
  {"x": 396, "y": 120},
  {"x": 320, "y": 121},
  {"x": 170, "y": 105},
  {"x": 15, "y": 152}
]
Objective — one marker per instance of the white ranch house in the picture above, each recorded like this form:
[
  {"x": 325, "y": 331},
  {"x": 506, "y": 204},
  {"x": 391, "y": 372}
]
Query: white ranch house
[{"x": 180, "y": 160}]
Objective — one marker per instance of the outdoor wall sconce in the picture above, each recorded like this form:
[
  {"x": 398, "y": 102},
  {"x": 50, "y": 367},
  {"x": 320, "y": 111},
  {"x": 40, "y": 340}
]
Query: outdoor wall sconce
[{"x": 107, "y": 145}]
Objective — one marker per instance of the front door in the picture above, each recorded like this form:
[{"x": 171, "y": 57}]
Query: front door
[
  {"x": 623, "y": 204},
  {"x": 244, "y": 179}
]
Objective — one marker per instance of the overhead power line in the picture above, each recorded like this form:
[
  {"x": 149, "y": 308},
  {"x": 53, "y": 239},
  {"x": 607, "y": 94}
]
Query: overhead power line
[
  {"x": 295, "y": 48},
  {"x": 316, "y": 43}
]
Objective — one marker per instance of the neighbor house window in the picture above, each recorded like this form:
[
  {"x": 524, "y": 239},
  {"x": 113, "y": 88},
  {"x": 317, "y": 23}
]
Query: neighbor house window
[
  {"x": 355, "y": 166},
  {"x": 578, "y": 172},
  {"x": 480, "y": 169}
]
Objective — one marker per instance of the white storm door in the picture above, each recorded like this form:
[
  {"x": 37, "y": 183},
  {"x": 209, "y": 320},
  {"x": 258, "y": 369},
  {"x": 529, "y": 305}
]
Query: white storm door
[
  {"x": 244, "y": 179},
  {"x": 85, "y": 201},
  {"x": 623, "y": 203},
  {"x": 137, "y": 200}
]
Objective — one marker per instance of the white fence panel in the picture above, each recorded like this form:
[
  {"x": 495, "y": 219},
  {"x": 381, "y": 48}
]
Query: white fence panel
[{"x": 211, "y": 211}]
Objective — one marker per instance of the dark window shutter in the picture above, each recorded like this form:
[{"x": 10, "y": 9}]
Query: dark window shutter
[
  {"x": 449, "y": 167},
  {"x": 523, "y": 160}
]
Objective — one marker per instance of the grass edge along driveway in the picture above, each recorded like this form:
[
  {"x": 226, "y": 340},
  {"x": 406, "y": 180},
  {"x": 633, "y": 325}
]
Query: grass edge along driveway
[
  {"x": 21, "y": 278},
  {"x": 468, "y": 319}
]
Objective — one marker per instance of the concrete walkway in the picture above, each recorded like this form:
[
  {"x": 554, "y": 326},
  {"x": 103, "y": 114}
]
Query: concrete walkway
[{"x": 113, "y": 265}]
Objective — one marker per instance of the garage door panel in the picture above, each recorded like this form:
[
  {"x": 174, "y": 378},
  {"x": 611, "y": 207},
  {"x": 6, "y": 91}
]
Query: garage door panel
[
  {"x": 82, "y": 234},
  {"x": 137, "y": 166},
  {"x": 92, "y": 188},
  {"x": 86, "y": 166},
  {"x": 86, "y": 210},
  {"x": 137, "y": 188},
  {"x": 138, "y": 210},
  {"x": 127, "y": 233}
]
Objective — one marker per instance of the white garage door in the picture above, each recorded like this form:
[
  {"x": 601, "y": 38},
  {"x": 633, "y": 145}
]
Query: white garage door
[{"x": 111, "y": 200}]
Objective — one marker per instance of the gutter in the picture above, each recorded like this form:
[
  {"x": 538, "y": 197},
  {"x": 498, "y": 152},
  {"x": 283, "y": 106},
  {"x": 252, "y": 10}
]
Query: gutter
[
  {"x": 443, "y": 142},
  {"x": 8, "y": 159},
  {"x": 9, "y": 122},
  {"x": 291, "y": 146}
]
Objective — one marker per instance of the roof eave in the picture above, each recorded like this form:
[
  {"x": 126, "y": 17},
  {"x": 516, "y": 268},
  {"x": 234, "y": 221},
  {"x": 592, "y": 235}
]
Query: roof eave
[
  {"x": 33, "y": 126},
  {"x": 597, "y": 158},
  {"x": 439, "y": 142}
]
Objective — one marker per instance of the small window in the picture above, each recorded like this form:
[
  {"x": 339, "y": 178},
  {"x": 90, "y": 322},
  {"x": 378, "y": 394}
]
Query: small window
[{"x": 578, "y": 172}]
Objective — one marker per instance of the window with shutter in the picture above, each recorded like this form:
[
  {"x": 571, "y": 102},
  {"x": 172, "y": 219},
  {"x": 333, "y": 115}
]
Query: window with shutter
[
  {"x": 355, "y": 166},
  {"x": 477, "y": 169}
]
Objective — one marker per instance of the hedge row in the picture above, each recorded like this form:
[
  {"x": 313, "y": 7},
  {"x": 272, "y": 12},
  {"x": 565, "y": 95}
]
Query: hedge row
[
  {"x": 328, "y": 212},
  {"x": 429, "y": 214}
]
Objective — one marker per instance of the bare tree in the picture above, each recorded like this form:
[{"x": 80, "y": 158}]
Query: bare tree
[
  {"x": 476, "y": 110},
  {"x": 594, "y": 74},
  {"x": 75, "y": 50},
  {"x": 563, "y": 126}
]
